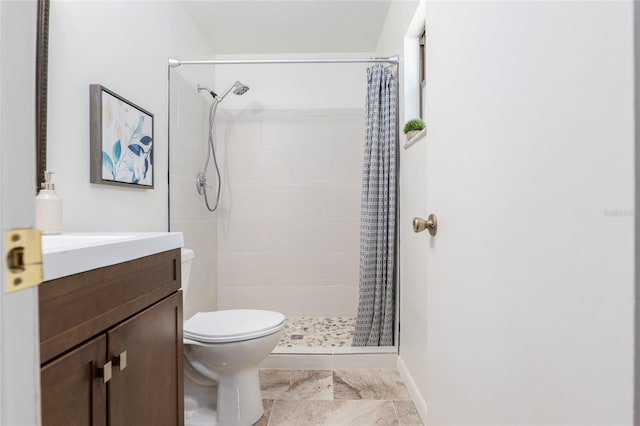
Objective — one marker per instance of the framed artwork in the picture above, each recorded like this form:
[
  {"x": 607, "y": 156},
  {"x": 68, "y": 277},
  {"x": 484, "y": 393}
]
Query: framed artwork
[
  {"x": 42, "y": 61},
  {"x": 121, "y": 140}
]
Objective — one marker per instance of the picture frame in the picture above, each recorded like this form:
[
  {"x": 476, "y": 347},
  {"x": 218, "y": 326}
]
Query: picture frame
[
  {"x": 42, "y": 66},
  {"x": 121, "y": 140}
]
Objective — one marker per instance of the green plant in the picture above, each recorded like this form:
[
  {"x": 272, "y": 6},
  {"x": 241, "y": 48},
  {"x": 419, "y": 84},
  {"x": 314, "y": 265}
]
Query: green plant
[{"x": 414, "y": 124}]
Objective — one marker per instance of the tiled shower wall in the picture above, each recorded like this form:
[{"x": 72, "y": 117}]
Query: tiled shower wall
[
  {"x": 188, "y": 214},
  {"x": 288, "y": 231}
]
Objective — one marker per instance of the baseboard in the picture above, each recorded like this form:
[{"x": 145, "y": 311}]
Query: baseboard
[
  {"x": 329, "y": 362},
  {"x": 418, "y": 400}
]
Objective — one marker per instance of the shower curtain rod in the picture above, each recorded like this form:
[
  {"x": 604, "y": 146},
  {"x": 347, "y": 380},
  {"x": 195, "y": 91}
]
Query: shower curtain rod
[{"x": 173, "y": 63}]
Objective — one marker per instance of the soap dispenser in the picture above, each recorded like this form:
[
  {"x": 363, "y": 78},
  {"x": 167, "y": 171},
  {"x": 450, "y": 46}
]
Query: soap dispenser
[{"x": 48, "y": 207}]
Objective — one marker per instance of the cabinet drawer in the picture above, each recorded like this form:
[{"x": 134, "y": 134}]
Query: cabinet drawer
[{"x": 78, "y": 307}]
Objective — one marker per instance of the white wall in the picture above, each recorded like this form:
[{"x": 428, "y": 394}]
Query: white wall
[
  {"x": 289, "y": 227},
  {"x": 399, "y": 36},
  {"x": 529, "y": 302},
  {"x": 188, "y": 150},
  {"x": 294, "y": 86},
  {"x": 124, "y": 46}
]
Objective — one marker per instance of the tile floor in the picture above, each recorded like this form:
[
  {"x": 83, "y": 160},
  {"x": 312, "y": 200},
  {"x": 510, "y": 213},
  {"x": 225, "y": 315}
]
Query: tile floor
[
  {"x": 355, "y": 397},
  {"x": 313, "y": 332}
]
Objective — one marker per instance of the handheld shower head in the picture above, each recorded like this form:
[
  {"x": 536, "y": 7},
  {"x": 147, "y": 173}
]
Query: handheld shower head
[
  {"x": 238, "y": 89},
  {"x": 201, "y": 180}
]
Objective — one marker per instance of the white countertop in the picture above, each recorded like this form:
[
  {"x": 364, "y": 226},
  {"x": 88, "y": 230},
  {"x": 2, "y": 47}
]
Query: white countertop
[{"x": 71, "y": 253}]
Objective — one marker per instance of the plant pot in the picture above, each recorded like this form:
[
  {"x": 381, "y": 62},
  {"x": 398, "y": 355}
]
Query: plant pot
[{"x": 411, "y": 134}]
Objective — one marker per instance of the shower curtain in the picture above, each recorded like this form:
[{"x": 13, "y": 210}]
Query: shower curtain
[{"x": 376, "y": 307}]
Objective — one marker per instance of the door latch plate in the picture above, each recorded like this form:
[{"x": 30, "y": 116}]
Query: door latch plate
[{"x": 23, "y": 257}]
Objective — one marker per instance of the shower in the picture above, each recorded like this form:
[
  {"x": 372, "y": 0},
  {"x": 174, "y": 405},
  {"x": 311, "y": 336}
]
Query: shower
[
  {"x": 238, "y": 88},
  {"x": 286, "y": 235}
]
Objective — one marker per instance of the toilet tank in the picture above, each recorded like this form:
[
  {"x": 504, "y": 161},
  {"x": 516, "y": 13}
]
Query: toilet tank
[{"x": 186, "y": 256}]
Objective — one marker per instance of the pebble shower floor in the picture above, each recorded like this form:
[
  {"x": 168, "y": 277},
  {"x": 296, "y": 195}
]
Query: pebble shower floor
[{"x": 313, "y": 332}]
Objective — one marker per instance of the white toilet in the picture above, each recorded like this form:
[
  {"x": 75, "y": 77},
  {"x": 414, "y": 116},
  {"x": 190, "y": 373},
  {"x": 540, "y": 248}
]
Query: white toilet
[{"x": 225, "y": 348}]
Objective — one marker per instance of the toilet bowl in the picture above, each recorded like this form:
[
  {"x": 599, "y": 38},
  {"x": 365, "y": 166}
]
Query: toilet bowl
[{"x": 222, "y": 350}]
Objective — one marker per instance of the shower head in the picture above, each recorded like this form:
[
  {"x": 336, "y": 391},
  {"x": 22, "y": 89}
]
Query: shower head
[{"x": 238, "y": 89}]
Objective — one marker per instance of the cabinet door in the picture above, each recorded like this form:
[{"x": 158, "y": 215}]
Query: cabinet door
[
  {"x": 148, "y": 391},
  {"x": 73, "y": 390}
]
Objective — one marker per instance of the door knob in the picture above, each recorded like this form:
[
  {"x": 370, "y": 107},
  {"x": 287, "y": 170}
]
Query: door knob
[{"x": 419, "y": 224}]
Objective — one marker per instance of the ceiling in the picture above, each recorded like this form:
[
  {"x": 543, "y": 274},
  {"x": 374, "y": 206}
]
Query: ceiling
[{"x": 295, "y": 26}]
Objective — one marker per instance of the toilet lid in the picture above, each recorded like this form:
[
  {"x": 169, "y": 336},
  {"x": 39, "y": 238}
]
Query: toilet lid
[{"x": 232, "y": 325}]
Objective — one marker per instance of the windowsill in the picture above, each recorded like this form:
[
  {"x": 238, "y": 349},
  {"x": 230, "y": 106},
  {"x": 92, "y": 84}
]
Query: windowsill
[{"x": 416, "y": 138}]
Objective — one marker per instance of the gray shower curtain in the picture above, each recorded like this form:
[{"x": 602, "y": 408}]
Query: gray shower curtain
[{"x": 376, "y": 307}]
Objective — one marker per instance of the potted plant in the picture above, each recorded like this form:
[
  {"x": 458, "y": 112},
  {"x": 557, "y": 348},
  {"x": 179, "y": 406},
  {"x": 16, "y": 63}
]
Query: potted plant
[{"x": 413, "y": 127}]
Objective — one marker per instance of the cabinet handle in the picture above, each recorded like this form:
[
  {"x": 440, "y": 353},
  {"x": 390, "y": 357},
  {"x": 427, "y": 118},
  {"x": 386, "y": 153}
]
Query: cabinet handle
[
  {"x": 105, "y": 372},
  {"x": 120, "y": 360}
]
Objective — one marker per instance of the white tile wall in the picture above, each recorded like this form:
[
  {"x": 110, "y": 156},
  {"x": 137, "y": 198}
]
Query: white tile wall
[
  {"x": 343, "y": 200},
  {"x": 188, "y": 149},
  {"x": 292, "y": 300},
  {"x": 199, "y": 235},
  {"x": 314, "y": 235},
  {"x": 345, "y": 267},
  {"x": 288, "y": 237},
  {"x": 280, "y": 200}
]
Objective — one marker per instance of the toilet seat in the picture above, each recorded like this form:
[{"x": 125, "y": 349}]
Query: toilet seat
[{"x": 232, "y": 325}]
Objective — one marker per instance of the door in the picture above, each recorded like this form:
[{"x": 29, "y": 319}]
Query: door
[
  {"x": 529, "y": 168},
  {"x": 19, "y": 359},
  {"x": 73, "y": 390},
  {"x": 146, "y": 389}
]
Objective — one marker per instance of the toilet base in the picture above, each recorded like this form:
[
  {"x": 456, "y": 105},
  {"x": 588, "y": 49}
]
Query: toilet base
[
  {"x": 205, "y": 416},
  {"x": 239, "y": 398},
  {"x": 235, "y": 401},
  {"x": 233, "y": 367},
  {"x": 199, "y": 401}
]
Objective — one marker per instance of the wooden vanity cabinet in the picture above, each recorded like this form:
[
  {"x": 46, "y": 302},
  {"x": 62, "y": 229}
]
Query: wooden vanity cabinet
[
  {"x": 127, "y": 317},
  {"x": 71, "y": 392}
]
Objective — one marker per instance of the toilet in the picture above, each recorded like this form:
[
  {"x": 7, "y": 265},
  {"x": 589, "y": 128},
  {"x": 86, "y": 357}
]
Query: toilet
[{"x": 222, "y": 350}]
